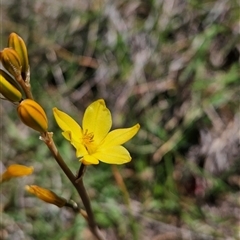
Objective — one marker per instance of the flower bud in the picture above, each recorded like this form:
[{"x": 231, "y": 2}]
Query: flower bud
[
  {"x": 33, "y": 115},
  {"x": 11, "y": 61},
  {"x": 46, "y": 195},
  {"x": 17, "y": 43},
  {"x": 9, "y": 88},
  {"x": 16, "y": 170}
]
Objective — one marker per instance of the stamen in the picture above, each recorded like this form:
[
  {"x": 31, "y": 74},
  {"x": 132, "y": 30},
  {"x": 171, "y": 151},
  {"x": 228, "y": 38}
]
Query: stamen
[
  {"x": 88, "y": 142},
  {"x": 88, "y": 137}
]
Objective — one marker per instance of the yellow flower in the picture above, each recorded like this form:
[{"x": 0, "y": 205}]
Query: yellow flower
[
  {"x": 93, "y": 141},
  {"x": 46, "y": 195},
  {"x": 15, "y": 170}
]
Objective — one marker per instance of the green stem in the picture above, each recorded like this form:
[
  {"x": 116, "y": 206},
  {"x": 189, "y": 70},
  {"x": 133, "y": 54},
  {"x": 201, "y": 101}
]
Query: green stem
[{"x": 77, "y": 183}]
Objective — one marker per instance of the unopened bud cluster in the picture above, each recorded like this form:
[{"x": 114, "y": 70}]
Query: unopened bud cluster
[
  {"x": 14, "y": 73},
  {"x": 15, "y": 87}
]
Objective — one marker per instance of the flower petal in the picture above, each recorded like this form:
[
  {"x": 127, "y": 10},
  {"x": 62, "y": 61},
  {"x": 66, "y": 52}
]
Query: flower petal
[
  {"x": 80, "y": 149},
  {"x": 97, "y": 120},
  {"x": 67, "y": 135},
  {"x": 119, "y": 136},
  {"x": 66, "y": 123},
  {"x": 113, "y": 155},
  {"x": 89, "y": 159}
]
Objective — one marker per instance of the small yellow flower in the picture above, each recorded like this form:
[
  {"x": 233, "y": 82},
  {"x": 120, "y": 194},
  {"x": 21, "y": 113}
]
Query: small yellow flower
[
  {"x": 93, "y": 141},
  {"x": 16, "y": 170},
  {"x": 33, "y": 115},
  {"x": 46, "y": 195}
]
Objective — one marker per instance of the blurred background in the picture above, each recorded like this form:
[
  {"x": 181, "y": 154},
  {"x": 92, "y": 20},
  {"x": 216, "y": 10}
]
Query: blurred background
[{"x": 173, "y": 67}]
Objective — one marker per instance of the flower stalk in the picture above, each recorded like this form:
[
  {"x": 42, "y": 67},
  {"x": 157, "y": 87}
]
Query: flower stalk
[
  {"x": 77, "y": 183},
  {"x": 25, "y": 85}
]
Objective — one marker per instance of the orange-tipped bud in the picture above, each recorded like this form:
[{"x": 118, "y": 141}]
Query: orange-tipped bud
[
  {"x": 9, "y": 88},
  {"x": 17, "y": 43},
  {"x": 33, "y": 115},
  {"x": 46, "y": 195},
  {"x": 11, "y": 61},
  {"x": 16, "y": 170}
]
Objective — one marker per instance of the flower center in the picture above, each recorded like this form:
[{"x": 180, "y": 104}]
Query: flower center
[{"x": 88, "y": 142}]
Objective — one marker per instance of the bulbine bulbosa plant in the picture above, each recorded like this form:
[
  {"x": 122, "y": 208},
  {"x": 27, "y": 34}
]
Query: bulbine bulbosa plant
[{"x": 93, "y": 141}]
